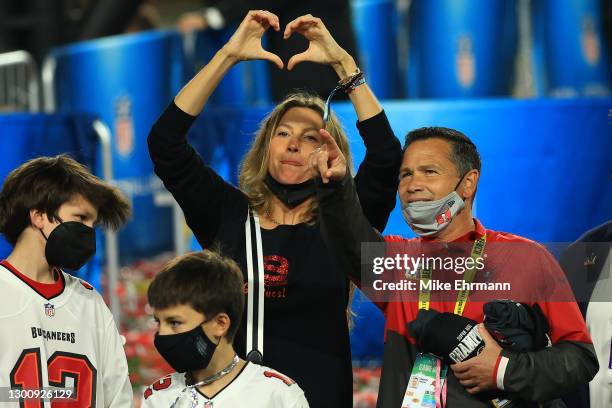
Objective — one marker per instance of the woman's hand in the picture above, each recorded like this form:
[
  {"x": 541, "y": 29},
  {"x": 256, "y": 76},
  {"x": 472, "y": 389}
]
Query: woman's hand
[
  {"x": 322, "y": 48},
  {"x": 245, "y": 43},
  {"x": 327, "y": 161}
]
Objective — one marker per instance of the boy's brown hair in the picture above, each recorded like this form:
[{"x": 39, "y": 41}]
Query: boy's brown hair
[
  {"x": 45, "y": 183},
  {"x": 206, "y": 281}
]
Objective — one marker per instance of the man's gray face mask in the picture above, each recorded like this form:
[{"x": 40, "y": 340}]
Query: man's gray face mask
[{"x": 428, "y": 218}]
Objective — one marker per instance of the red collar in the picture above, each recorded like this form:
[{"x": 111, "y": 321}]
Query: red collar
[
  {"x": 46, "y": 290},
  {"x": 476, "y": 233}
]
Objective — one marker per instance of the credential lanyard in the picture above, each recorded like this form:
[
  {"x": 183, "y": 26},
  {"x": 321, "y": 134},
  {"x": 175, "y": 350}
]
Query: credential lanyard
[
  {"x": 468, "y": 277},
  {"x": 440, "y": 385}
]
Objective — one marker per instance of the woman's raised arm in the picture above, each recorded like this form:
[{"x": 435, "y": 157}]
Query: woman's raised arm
[
  {"x": 245, "y": 44},
  {"x": 323, "y": 49}
]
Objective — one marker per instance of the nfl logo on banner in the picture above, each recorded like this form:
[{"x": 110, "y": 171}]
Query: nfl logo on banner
[{"x": 49, "y": 310}]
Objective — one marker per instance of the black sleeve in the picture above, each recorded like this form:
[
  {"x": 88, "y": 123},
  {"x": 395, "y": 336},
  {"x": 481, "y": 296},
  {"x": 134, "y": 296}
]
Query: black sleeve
[
  {"x": 377, "y": 178},
  {"x": 549, "y": 373},
  {"x": 205, "y": 198},
  {"x": 343, "y": 225}
]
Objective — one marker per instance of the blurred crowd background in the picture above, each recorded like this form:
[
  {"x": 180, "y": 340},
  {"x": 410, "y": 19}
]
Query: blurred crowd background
[{"x": 528, "y": 80}]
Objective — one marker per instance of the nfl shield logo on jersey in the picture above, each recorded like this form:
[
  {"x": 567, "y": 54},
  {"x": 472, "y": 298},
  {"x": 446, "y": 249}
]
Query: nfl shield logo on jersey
[
  {"x": 208, "y": 404},
  {"x": 49, "y": 310}
]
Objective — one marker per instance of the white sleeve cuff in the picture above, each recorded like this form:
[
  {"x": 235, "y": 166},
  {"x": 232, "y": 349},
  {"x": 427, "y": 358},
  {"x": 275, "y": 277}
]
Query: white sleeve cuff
[{"x": 501, "y": 371}]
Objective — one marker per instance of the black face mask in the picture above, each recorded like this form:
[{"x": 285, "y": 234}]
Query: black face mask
[
  {"x": 188, "y": 351},
  {"x": 70, "y": 245},
  {"x": 291, "y": 195}
]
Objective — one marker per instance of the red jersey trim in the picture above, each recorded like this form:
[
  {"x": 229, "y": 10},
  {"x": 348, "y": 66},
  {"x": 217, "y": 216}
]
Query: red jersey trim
[{"x": 46, "y": 290}]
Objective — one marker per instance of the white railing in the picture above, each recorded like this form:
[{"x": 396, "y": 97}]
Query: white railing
[
  {"x": 19, "y": 84},
  {"x": 48, "y": 83}
]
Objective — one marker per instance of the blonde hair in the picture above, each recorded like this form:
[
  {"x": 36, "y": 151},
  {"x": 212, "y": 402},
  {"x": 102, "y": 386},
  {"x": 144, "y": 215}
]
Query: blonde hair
[{"x": 254, "y": 165}]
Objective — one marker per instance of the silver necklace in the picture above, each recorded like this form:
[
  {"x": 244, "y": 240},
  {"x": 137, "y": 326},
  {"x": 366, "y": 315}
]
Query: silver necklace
[
  {"x": 193, "y": 396},
  {"x": 218, "y": 375}
]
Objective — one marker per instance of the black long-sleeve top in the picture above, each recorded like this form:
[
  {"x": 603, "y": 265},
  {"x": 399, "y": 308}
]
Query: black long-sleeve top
[{"x": 306, "y": 294}]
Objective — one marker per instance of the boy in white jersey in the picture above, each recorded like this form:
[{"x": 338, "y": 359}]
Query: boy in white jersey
[
  {"x": 55, "y": 329},
  {"x": 198, "y": 300}
]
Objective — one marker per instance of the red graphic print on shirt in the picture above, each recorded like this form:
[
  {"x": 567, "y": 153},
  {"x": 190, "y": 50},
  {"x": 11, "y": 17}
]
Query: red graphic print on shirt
[{"x": 276, "y": 270}]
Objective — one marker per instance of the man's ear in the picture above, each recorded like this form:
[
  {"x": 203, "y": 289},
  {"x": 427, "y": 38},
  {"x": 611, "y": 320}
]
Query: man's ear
[
  {"x": 37, "y": 218},
  {"x": 468, "y": 186}
]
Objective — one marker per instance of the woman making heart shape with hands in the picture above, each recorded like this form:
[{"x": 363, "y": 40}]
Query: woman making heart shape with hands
[{"x": 271, "y": 218}]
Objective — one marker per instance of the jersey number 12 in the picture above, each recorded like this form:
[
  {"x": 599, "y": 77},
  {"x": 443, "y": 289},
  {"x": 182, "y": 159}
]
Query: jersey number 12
[{"x": 27, "y": 374}]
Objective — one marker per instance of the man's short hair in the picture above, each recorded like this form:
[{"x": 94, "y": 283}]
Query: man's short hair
[
  {"x": 45, "y": 183},
  {"x": 206, "y": 281},
  {"x": 464, "y": 153}
]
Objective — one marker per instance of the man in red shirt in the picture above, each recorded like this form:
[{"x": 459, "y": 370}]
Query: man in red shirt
[{"x": 438, "y": 182}]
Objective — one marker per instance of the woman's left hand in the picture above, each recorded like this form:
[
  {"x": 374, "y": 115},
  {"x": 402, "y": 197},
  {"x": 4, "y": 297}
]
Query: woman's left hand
[
  {"x": 327, "y": 160},
  {"x": 322, "y": 48},
  {"x": 245, "y": 43}
]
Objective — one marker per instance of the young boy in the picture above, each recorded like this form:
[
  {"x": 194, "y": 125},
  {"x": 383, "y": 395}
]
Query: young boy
[
  {"x": 198, "y": 300},
  {"x": 55, "y": 329}
]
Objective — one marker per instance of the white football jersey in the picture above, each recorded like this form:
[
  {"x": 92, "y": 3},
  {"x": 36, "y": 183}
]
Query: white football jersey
[
  {"x": 255, "y": 387},
  {"x": 67, "y": 341}
]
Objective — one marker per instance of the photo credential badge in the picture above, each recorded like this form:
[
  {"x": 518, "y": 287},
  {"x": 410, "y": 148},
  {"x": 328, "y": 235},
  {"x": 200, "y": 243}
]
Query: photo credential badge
[{"x": 421, "y": 390}]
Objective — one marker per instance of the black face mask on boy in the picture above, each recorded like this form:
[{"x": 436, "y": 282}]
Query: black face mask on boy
[
  {"x": 70, "y": 245},
  {"x": 188, "y": 351}
]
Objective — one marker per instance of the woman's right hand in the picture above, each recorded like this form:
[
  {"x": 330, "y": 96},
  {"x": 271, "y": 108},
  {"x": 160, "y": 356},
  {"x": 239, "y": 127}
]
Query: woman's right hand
[
  {"x": 245, "y": 43},
  {"x": 328, "y": 161}
]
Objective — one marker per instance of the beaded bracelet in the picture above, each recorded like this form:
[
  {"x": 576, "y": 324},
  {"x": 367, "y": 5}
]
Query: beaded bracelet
[
  {"x": 347, "y": 85},
  {"x": 344, "y": 82},
  {"x": 359, "y": 80}
]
